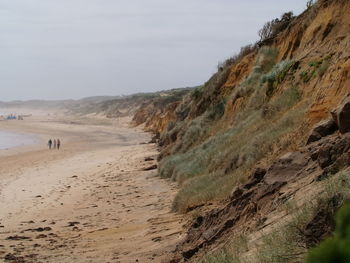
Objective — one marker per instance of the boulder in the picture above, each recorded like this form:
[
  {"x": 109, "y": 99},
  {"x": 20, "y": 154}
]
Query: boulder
[
  {"x": 322, "y": 129},
  {"x": 236, "y": 192},
  {"x": 341, "y": 115}
]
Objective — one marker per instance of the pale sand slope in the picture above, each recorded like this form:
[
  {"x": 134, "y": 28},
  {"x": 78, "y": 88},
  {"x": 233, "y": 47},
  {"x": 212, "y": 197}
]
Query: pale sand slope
[{"x": 89, "y": 202}]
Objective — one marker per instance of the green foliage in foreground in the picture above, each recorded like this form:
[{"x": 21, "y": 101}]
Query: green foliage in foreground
[{"x": 335, "y": 249}]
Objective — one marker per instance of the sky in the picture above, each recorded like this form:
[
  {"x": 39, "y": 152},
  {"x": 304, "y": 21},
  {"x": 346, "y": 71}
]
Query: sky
[{"x": 60, "y": 49}]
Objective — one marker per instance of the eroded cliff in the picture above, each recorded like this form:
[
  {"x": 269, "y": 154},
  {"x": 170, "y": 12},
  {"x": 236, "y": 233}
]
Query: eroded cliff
[{"x": 245, "y": 149}]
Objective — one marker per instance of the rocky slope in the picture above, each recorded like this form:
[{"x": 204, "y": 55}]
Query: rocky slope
[{"x": 248, "y": 150}]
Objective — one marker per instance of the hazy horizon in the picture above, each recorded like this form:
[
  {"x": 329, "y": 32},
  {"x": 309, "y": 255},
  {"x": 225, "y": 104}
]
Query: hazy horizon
[{"x": 72, "y": 49}]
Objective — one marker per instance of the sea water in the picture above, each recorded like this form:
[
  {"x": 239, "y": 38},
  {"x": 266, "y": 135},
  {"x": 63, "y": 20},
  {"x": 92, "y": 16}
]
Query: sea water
[{"x": 12, "y": 139}]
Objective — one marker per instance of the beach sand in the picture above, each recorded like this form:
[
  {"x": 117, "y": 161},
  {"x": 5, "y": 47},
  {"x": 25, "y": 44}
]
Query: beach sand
[{"x": 91, "y": 201}]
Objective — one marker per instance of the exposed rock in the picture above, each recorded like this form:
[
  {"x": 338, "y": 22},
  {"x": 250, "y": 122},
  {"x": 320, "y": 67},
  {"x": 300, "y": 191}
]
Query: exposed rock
[
  {"x": 252, "y": 201},
  {"x": 322, "y": 224},
  {"x": 322, "y": 129},
  {"x": 331, "y": 153},
  {"x": 152, "y": 167},
  {"x": 13, "y": 258},
  {"x": 341, "y": 115},
  {"x": 256, "y": 177},
  {"x": 40, "y": 229},
  {"x": 248, "y": 202},
  {"x": 287, "y": 167},
  {"x": 155, "y": 138},
  {"x": 17, "y": 238},
  {"x": 41, "y": 236},
  {"x": 236, "y": 192},
  {"x": 73, "y": 223}
]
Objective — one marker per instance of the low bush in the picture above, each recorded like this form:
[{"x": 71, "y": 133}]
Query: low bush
[
  {"x": 337, "y": 247},
  {"x": 272, "y": 28},
  {"x": 197, "y": 93},
  {"x": 305, "y": 76},
  {"x": 277, "y": 75},
  {"x": 265, "y": 61},
  {"x": 216, "y": 112},
  {"x": 244, "y": 51},
  {"x": 318, "y": 67}
]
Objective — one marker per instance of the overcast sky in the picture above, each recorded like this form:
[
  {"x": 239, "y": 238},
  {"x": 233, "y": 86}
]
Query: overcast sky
[{"x": 57, "y": 49}]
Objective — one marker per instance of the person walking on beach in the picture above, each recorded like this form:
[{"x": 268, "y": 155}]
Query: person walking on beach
[
  {"x": 54, "y": 144},
  {"x": 58, "y": 144},
  {"x": 49, "y": 143}
]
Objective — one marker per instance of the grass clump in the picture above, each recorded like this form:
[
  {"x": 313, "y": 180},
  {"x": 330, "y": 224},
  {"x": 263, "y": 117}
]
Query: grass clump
[
  {"x": 209, "y": 163},
  {"x": 285, "y": 244},
  {"x": 230, "y": 253},
  {"x": 285, "y": 101},
  {"x": 290, "y": 241},
  {"x": 265, "y": 61},
  {"x": 197, "y": 93},
  {"x": 305, "y": 76},
  {"x": 223, "y": 160},
  {"x": 180, "y": 167},
  {"x": 324, "y": 66},
  {"x": 217, "y": 111},
  {"x": 277, "y": 75},
  {"x": 318, "y": 67}
]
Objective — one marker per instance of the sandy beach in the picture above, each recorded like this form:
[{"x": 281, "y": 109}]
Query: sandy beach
[{"x": 91, "y": 201}]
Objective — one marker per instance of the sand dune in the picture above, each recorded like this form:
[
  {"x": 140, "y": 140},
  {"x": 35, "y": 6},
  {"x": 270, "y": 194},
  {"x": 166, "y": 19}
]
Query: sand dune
[{"x": 89, "y": 202}]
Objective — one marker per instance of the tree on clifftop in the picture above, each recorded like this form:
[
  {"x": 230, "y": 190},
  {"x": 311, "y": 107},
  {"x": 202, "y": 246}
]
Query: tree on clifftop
[{"x": 275, "y": 26}]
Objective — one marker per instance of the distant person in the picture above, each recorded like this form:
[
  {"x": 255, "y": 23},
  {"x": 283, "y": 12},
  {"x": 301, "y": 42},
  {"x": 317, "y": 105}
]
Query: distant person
[
  {"x": 58, "y": 144},
  {"x": 49, "y": 143},
  {"x": 54, "y": 143}
]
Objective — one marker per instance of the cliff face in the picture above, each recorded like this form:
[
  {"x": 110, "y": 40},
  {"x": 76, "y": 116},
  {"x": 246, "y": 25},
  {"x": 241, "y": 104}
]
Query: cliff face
[
  {"x": 157, "y": 113},
  {"x": 322, "y": 33},
  {"x": 242, "y": 143}
]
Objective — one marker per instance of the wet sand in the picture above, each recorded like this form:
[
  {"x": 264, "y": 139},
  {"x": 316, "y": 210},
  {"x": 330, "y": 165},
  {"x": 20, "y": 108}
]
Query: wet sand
[{"x": 91, "y": 201}]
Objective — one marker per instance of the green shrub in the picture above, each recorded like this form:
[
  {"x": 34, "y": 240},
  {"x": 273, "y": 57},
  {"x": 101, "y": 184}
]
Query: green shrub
[
  {"x": 216, "y": 112},
  {"x": 305, "y": 76},
  {"x": 197, "y": 93},
  {"x": 277, "y": 75},
  {"x": 336, "y": 248},
  {"x": 272, "y": 28},
  {"x": 265, "y": 61},
  {"x": 316, "y": 67}
]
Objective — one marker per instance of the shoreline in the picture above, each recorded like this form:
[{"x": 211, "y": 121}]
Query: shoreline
[
  {"x": 93, "y": 196},
  {"x": 21, "y": 139}
]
